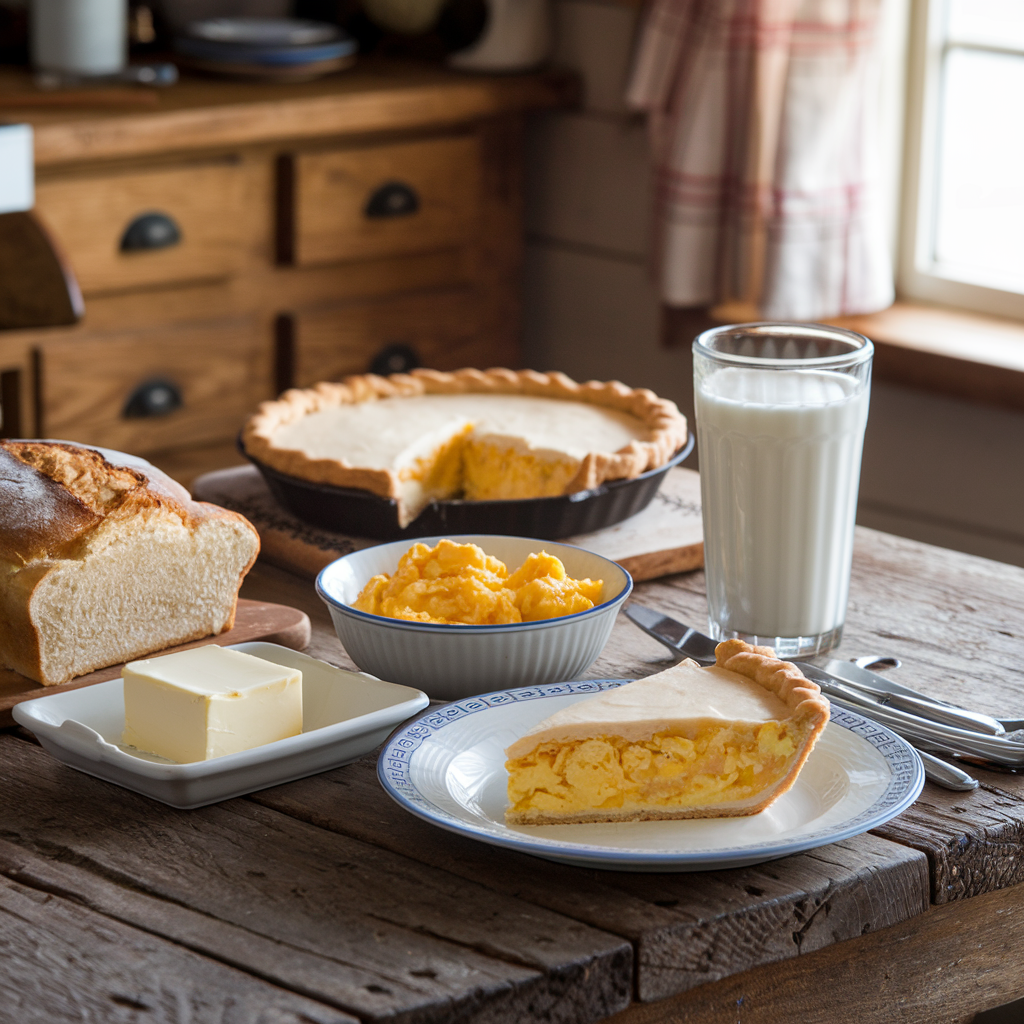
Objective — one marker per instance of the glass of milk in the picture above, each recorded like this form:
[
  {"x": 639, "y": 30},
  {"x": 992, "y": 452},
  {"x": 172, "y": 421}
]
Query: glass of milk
[{"x": 780, "y": 412}]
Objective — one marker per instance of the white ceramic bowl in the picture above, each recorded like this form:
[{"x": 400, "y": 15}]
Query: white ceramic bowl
[{"x": 451, "y": 662}]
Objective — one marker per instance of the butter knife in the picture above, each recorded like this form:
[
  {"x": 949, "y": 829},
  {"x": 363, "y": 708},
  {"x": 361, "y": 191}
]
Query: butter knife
[{"x": 888, "y": 691}]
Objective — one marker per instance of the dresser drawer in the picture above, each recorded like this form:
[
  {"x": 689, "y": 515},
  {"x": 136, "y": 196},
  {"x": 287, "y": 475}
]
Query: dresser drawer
[
  {"x": 439, "y": 329},
  {"x": 153, "y": 390},
  {"x": 158, "y": 226},
  {"x": 385, "y": 200}
]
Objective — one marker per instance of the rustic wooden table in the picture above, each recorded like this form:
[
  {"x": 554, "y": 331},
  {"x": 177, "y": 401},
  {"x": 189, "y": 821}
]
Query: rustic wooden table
[{"x": 322, "y": 901}]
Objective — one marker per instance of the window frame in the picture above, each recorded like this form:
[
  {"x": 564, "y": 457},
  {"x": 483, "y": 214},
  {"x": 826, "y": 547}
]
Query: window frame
[{"x": 919, "y": 275}]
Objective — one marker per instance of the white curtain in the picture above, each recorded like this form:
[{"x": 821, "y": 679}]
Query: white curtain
[{"x": 763, "y": 118}]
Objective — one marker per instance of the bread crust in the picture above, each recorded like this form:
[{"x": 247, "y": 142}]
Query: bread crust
[
  {"x": 666, "y": 424},
  {"x": 57, "y": 502}
]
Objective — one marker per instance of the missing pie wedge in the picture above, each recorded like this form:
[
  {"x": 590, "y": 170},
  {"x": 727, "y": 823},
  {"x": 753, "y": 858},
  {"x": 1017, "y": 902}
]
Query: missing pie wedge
[
  {"x": 689, "y": 742},
  {"x": 481, "y": 435}
]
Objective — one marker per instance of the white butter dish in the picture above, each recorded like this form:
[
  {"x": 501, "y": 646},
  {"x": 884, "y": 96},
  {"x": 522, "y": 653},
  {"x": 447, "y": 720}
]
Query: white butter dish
[{"x": 345, "y": 715}]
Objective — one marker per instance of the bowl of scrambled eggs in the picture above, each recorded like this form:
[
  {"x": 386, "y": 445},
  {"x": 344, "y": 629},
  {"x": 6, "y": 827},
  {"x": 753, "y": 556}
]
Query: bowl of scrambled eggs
[{"x": 457, "y": 616}]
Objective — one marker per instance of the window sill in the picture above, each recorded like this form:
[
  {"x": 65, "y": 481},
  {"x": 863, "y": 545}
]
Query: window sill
[{"x": 944, "y": 351}]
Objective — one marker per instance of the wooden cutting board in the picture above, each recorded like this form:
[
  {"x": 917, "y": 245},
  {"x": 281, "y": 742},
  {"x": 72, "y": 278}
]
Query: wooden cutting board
[
  {"x": 254, "y": 620},
  {"x": 665, "y": 538}
]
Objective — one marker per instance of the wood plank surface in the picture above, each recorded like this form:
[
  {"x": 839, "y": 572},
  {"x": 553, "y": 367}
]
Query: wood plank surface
[
  {"x": 63, "y": 962},
  {"x": 942, "y": 967},
  {"x": 325, "y": 888},
  {"x": 395, "y": 939},
  {"x": 205, "y": 113},
  {"x": 254, "y": 620},
  {"x": 686, "y": 929},
  {"x": 665, "y": 538},
  {"x": 955, "y": 621}
]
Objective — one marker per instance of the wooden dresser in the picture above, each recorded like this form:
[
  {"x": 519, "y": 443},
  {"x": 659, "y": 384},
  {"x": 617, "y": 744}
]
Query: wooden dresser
[{"x": 232, "y": 240}]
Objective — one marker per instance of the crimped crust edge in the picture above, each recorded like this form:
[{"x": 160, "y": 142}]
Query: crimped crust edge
[{"x": 664, "y": 421}]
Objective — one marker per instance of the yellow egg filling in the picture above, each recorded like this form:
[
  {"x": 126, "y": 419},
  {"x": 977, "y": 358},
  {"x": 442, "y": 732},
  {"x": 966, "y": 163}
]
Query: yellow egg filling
[
  {"x": 492, "y": 472},
  {"x": 714, "y": 764},
  {"x": 458, "y": 583},
  {"x": 485, "y": 469}
]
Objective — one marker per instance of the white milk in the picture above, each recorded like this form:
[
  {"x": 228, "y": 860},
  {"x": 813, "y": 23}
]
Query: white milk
[{"x": 780, "y": 463}]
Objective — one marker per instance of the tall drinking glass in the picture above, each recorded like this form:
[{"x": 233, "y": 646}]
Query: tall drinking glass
[{"x": 780, "y": 410}]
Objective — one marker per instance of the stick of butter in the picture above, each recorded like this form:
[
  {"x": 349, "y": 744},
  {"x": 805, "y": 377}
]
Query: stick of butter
[{"x": 209, "y": 701}]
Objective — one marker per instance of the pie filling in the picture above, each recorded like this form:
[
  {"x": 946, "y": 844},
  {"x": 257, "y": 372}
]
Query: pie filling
[
  {"x": 725, "y": 766},
  {"x": 472, "y": 446},
  {"x": 484, "y": 469}
]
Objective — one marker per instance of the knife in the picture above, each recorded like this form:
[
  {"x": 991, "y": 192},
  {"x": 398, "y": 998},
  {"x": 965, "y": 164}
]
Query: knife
[
  {"x": 886, "y": 691},
  {"x": 995, "y": 750}
]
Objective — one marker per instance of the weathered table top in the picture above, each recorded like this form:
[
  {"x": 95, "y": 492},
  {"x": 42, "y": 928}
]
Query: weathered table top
[{"x": 322, "y": 900}]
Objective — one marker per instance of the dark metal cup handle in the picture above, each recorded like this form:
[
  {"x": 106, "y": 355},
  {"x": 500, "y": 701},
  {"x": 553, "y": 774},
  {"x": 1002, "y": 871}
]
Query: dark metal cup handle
[
  {"x": 394, "y": 359},
  {"x": 392, "y": 199},
  {"x": 157, "y": 397},
  {"x": 152, "y": 230}
]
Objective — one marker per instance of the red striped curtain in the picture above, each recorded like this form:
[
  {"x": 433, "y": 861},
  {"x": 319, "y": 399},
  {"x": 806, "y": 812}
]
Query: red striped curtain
[{"x": 763, "y": 117}]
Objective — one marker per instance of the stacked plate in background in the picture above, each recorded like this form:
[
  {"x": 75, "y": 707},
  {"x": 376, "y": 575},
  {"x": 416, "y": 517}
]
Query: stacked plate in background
[{"x": 280, "y": 49}]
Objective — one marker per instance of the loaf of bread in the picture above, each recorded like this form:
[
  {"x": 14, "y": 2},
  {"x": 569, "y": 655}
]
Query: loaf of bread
[{"x": 105, "y": 559}]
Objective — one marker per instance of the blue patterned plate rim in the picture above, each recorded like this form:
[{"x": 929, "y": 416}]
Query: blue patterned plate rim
[{"x": 394, "y": 765}]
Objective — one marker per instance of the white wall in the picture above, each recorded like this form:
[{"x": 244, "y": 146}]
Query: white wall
[{"x": 936, "y": 469}]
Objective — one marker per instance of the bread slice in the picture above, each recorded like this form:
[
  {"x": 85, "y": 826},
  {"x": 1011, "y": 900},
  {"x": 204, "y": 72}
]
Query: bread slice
[
  {"x": 689, "y": 742},
  {"x": 107, "y": 559}
]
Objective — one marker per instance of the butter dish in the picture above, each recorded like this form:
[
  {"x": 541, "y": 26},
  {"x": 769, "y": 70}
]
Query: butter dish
[{"x": 345, "y": 715}]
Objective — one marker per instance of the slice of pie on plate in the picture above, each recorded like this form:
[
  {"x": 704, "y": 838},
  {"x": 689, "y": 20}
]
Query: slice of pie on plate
[
  {"x": 478, "y": 434},
  {"x": 689, "y": 742}
]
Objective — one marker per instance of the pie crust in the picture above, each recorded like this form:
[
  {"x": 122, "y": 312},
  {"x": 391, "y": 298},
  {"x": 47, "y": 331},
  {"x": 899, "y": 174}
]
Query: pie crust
[
  {"x": 663, "y": 426},
  {"x": 666, "y": 746}
]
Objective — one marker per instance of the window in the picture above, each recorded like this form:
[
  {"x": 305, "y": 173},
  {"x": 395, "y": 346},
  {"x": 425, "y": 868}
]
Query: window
[{"x": 963, "y": 230}]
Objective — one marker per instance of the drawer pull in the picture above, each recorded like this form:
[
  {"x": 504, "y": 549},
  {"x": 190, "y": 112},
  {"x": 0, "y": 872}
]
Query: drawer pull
[
  {"x": 392, "y": 199},
  {"x": 394, "y": 359},
  {"x": 157, "y": 397},
  {"x": 150, "y": 231}
]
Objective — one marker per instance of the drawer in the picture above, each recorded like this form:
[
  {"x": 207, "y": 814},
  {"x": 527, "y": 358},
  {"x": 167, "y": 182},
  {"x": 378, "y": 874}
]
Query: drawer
[
  {"x": 119, "y": 390},
  {"x": 377, "y": 201},
  {"x": 439, "y": 329},
  {"x": 200, "y": 226}
]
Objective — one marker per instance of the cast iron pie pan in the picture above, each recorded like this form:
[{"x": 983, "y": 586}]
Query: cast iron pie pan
[{"x": 362, "y": 514}]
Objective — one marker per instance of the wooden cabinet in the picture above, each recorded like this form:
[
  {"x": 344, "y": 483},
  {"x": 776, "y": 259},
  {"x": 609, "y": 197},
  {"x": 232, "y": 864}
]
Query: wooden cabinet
[
  {"x": 133, "y": 391},
  {"x": 157, "y": 226},
  {"x": 375, "y": 201},
  {"x": 440, "y": 329},
  {"x": 237, "y": 240}
]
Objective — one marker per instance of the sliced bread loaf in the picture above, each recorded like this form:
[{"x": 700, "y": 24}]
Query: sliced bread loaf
[{"x": 105, "y": 559}]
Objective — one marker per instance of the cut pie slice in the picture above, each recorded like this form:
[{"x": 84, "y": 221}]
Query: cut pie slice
[
  {"x": 482, "y": 435},
  {"x": 689, "y": 742}
]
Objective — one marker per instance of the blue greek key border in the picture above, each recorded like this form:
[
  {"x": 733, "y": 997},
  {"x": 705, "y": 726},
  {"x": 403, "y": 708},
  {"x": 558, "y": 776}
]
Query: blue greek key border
[{"x": 394, "y": 771}]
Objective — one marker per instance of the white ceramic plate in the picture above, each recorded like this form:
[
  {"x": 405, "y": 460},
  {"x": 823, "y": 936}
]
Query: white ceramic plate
[
  {"x": 448, "y": 768},
  {"x": 345, "y": 715}
]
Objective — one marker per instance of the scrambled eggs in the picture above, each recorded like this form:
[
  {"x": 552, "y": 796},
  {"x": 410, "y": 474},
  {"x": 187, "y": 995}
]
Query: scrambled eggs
[
  {"x": 730, "y": 763},
  {"x": 458, "y": 583}
]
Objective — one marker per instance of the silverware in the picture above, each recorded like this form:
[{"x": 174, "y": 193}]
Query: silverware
[
  {"x": 989, "y": 749},
  {"x": 860, "y": 676},
  {"x": 944, "y": 774},
  {"x": 870, "y": 660},
  {"x": 880, "y": 689}
]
